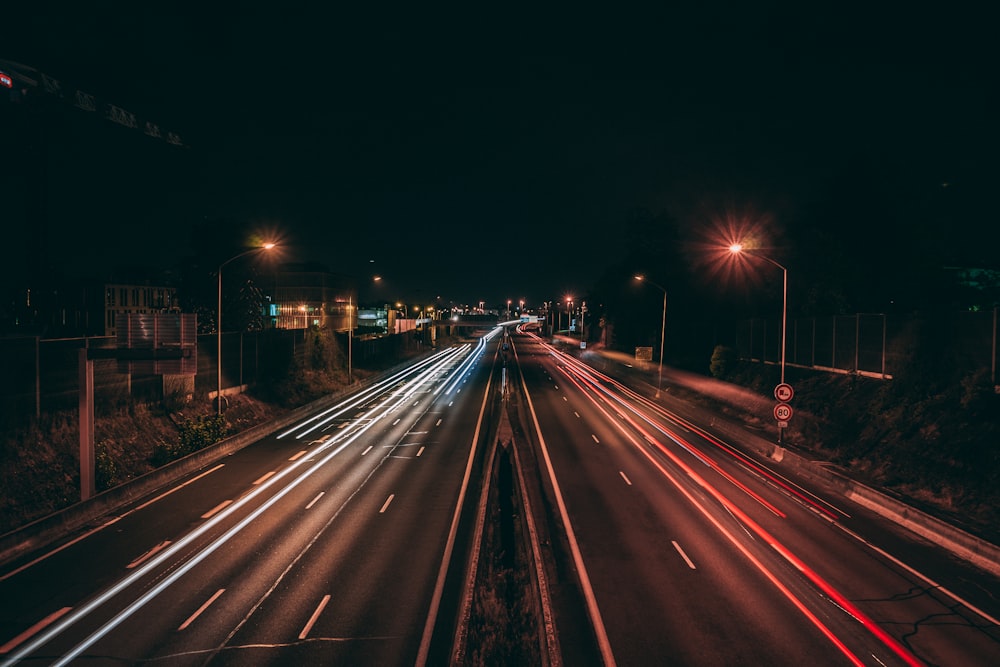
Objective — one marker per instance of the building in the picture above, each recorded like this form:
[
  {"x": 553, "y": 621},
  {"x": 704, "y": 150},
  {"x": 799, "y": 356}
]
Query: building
[
  {"x": 122, "y": 300},
  {"x": 308, "y": 295}
]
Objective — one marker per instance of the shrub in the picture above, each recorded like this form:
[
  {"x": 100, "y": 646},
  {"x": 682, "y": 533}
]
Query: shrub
[
  {"x": 193, "y": 435},
  {"x": 107, "y": 472},
  {"x": 723, "y": 360}
]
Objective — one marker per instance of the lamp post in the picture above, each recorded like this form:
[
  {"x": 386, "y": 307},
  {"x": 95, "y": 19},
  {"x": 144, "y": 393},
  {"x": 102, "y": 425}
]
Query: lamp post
[
  {"x": 738, "y": 248},
  {"x": 350, "y": 338},
  {"x": 663, "y": 331},
  {"x": 218, "y": 325}
]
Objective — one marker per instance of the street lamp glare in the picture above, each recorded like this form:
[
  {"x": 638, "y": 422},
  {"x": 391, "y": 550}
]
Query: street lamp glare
[
  {"x": 736, "y": 248},
  {"x": 639, "y": 278}
]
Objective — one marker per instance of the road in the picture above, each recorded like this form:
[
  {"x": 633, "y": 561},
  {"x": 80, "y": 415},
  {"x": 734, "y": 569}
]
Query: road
[
  {"x": 332, "y": 542},
  {"x": 326, "y": 543},
  {"x": 693, "y": 553}
]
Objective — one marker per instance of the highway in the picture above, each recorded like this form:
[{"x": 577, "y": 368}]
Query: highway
[
  {"x": 339, "y": 540},
  {"x": 691, "y": 552},
  {"x": 325, "y": 543}
]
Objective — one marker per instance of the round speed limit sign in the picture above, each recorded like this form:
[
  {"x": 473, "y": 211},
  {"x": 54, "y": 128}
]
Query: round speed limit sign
[{"x": 782, "y": 412}]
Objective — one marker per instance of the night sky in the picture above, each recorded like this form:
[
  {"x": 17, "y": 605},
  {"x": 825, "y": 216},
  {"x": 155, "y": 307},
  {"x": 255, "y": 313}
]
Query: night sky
[{"x": 488, "y": 152}]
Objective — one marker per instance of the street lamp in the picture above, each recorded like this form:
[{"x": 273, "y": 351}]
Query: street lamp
[
  {"x": 663, "y": 330},
  {"x": 738, "y": 248},
  {"x": 218, "y": 324}
]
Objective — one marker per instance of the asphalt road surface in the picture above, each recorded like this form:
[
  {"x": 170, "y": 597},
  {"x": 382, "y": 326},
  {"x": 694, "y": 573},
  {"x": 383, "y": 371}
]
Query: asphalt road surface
[
  {"x": 694, "y": 553},
  {"x": 326, "y": 543}
]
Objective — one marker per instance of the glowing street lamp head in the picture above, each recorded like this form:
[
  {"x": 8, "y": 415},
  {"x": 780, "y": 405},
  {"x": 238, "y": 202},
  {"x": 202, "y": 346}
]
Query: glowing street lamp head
[
  {"x": 639, "y": 278},
  {"x": 736, "y": 248},
  {"x": 268, "y": 246}
]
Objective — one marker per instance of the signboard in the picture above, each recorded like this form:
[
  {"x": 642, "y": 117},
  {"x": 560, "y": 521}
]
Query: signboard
[
  {"x": 643, "y": 354},
  {"x": 782, "y": 412},
  {"x": 783, "y": 392},
  {"x": 5, "y": 80}
]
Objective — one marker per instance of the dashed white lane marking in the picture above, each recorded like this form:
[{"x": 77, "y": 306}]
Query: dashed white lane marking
[
  {"x": 218, "y": 508},
  {"x": 386, "y": 504},
  {"x": 625, "y": 477},
  {"x": 34, "y": 630},
  {"x": 263, "y": 478},
  {"x": 314, "y": 617},
  {"x": 595, "y": 438},
  {"x": 320, "y": 495},
  {"x": 149, "y": 554},
  {"x": 683, "y": 555},
  {"x": 201, "y": 609}
]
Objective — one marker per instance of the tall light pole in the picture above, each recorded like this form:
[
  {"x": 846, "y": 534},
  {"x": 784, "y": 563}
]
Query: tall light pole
[
  {"x": 663, "y": 330},
  {"x": 218, "y": 325},
  {"x": 738, "y": 248}
]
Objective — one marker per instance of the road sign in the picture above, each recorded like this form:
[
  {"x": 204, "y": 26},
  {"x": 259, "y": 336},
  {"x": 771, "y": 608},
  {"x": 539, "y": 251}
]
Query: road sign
[
  {"x": 782, "y": 412},
  {"x": 784, "y": 392}
]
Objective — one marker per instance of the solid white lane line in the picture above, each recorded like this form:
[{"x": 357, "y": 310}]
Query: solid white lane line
[
  {"x": 625, "y": 477},
  {"x": 368, "y": 449},
  {"x": 313, "y": 502},
  {"x": 37, "y": 627},
  {"x": 263, "y": 478},
  {"x": 420, "y": 451},
  {"x": 300, "y": 454},
  {"x": 202, "y": 608},
  {"x": 593, "y": 611},
  {"x": 216, "y": 509},
  {"x": 386, "y": 504},
  {"x": 683, "y": 555},
  {"x": 595, "y": 438},
  {"x": 149, "y": 554},
  {"x": 314, "y": 617}
]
